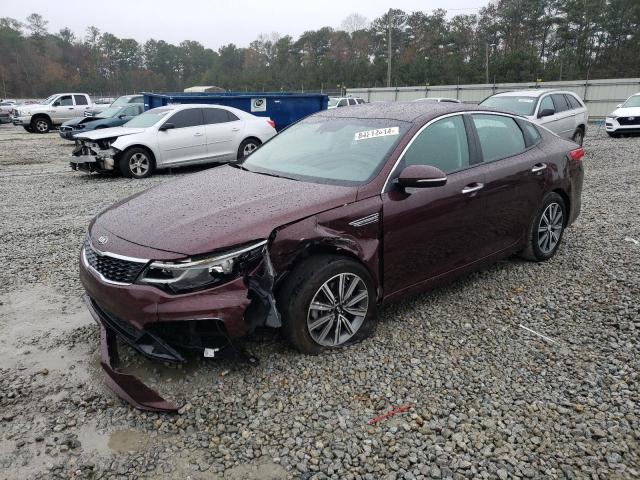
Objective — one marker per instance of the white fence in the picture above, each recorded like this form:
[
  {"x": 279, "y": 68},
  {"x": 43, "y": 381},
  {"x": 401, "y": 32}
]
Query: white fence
[{"x": 600, "y": 96}]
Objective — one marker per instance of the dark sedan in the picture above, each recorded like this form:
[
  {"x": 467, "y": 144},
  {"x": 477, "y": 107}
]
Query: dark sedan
[
  {"x": 340, "y": 213},
  {"x": 111, "y": 117}
]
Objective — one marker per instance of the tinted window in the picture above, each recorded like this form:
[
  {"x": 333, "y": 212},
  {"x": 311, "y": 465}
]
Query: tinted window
[
  {"x": 499, "y": 136},
  {"x": 215, "y": 115},
  {"x": 547, "y": 103},
  {"x": 442, "y": 144},
  {"x": 191, "y": 117},
  {"x": 342, "y": 103},
  {"x": 531, "y": 131},
  {"x": 359, "y": 101},
  {"x": 65, "y": 101},
  {"x": 560, "y": 102},
  {"x": 573, "y": 102},
  {"x": 352, "y": 101},
  {"x": 81, "y": 100},
  {"x": 232, "y": 117}
]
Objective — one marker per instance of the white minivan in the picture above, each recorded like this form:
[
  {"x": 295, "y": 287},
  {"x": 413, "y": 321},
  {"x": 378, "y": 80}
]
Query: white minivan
[{"x": 562, "y": 112}]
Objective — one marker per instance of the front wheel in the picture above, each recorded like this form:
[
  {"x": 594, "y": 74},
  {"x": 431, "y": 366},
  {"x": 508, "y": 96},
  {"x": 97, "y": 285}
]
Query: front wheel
[
  {"x": 545, "y": 232},
  {"x": 40, "y": 125},
  {"x": 247, "y": 147},
  {"x": 328, "y": 301},
  {"x": 135, "y": 163}
]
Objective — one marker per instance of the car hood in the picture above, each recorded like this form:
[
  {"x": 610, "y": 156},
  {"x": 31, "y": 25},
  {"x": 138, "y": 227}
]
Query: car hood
[
  {"x": 627, "y": 112},
  {"x": 109, "y": 133},
  {"x": 216, "y": 209}
]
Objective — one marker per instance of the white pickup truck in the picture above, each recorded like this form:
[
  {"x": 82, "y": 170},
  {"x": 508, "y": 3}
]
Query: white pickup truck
[{"x": 55, "y": 110}]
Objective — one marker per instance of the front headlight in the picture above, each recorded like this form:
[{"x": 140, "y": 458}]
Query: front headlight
[
  {"x": 199, "y": 273},
  {"x": 611, "y": 117}
]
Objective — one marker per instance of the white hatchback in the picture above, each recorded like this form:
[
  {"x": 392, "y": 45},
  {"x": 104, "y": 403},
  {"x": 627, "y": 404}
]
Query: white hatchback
[
  {"x": 562, "y": 112},
  {"x": 625, "y": 118},
  {"x": 172, "y": 136}
]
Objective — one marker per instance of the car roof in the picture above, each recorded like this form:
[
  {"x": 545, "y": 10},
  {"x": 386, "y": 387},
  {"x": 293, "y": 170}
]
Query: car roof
[
  {"x": 534, "y": 93},
  {"x": 403, "y": 111}
]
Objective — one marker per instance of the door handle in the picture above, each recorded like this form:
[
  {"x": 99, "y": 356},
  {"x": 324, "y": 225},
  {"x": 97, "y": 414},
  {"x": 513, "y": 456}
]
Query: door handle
[
  {"x": 538, "y": 167},
  {"x": 473, "y": 187},
  {"x": 197, "y": 134},
  {"x": 69, "y": 108},
  {"x": 235, "y": 129}
]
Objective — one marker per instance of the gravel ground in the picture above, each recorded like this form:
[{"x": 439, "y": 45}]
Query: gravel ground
[{"x": 488, "y": 399}]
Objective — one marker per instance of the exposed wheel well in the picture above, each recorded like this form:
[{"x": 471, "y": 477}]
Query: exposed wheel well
[
  {"x": 567, "y": 203},
  {"x": 147, "y": 149},
  {"x": 581, "y": 127}
]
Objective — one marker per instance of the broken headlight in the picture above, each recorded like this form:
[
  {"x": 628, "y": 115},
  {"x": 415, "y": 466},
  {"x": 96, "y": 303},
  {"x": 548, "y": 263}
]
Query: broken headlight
[{"x": 207, "y": 271}]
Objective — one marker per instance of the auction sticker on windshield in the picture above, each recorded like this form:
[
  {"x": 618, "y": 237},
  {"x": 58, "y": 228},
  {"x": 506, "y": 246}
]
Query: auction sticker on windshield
[{"x": 378, "y": 132}]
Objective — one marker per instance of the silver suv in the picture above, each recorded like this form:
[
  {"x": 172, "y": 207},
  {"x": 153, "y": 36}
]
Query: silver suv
[{"x": 562, "y": 112}]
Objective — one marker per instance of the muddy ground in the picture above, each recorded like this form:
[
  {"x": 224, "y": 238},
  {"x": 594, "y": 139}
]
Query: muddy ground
[{"x": 486, "y": 397}]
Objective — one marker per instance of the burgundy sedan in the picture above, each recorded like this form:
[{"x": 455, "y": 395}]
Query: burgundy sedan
[{"x": 340, "y": 213}]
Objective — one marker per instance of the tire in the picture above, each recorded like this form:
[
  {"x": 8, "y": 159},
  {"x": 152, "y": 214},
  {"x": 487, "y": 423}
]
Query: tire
[
  {"x": 613, "y": 135},
  {"x": 247, "y": 147},
  {"x": 27, "y": 128},
  {"x": 578, "y": 136},
  {"x": 135, "y": 163},
  {"x": 305, "y": 284},
  {"x": 541, "y": 247},
  {"x": 40, "y": 125}
]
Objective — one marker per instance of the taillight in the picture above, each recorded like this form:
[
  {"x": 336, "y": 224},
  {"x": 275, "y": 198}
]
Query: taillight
[
  {"x": 577, "y": 154},
  {"x": 272, "y": 123}
]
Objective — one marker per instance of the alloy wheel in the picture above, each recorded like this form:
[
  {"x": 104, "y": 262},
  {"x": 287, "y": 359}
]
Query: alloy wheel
[
  {"x": 248, "y": 149},
  {"x": 42, "y": 126},
  {"x": 550, "y": 228},
  {"x": 338, "y": 310},
  {"x": 139, "y": 164}
]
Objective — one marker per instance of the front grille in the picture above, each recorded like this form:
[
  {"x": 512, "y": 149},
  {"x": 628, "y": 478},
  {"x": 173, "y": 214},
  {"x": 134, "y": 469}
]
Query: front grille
[
  {"x": 111, "y": 268},
  {"x": 629, "y": 120}
]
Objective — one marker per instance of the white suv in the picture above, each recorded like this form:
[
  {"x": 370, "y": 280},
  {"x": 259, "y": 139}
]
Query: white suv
[
  {"x": 337, "y": 102},
  {"x": 625, "y": 118},
  {"x": 172, "y": 136},
  {"x": 562, "y": 112}
]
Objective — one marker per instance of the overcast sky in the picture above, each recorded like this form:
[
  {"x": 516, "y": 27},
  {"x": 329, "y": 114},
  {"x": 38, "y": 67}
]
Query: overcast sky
[{"x": 212, "y": 23}]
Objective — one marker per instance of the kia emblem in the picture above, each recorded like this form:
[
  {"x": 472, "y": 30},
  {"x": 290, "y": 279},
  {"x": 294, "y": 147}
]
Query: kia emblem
[{"x": 102, "y": 240}]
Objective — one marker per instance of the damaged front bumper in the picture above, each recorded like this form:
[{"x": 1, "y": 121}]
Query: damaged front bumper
[
  {"x": 157, "y": 325},
  {"x": 90, "y": 157}
]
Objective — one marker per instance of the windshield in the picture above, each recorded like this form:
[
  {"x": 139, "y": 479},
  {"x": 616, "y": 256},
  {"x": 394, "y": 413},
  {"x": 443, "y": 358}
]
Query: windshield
[
  {"x": 341, "y": 151},
  {"x": 49, "y": 99},
  {"x": 148, "y": 118},
  {"x": 632, "y": 102},
  {"x": 109, "y": 112},
  {"x": 518, "y": 105},
  {"x": 120, "y": 101},
  {"x": 333, "y": 101}
]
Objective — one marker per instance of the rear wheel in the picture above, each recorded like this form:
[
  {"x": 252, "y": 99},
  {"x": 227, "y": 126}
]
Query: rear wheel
[
  {"x": 247, "y": 147},
  {"x": 578, "y": 136},
  {"x": 545, "y": 232},
  {"x": 328, "y": 301},
  {"x": 41, "y": 125},
  {"x": 136, "y": 163}
]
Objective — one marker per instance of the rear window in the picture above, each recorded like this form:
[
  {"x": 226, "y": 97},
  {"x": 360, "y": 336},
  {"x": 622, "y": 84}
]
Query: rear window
[
  {"x": 520, "y": 105},
  {"x": 81, "y": 100}
]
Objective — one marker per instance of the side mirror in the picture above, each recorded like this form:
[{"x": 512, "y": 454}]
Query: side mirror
[
  {"x": 422, "y": 176},
  {"x": 167, "y": 126},
  {"x": 56, "y": 104},
  {"x": 547, "y": 112},
  {"x": 121, "y": 116}
]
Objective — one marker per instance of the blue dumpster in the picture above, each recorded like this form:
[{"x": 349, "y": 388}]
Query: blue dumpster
[{"x": 282, "y": 108}]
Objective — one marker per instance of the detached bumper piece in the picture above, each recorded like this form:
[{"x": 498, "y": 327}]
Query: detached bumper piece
[{"x": 128, "y": 387}]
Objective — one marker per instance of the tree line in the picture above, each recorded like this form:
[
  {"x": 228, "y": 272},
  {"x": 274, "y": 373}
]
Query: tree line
[{"x": 518, "y": 40}]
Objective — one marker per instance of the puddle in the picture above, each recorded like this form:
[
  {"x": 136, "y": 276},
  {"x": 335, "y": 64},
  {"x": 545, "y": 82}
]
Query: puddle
[
  {"x": 32, "y": 320},
  {"x": 118, "y": 441}
]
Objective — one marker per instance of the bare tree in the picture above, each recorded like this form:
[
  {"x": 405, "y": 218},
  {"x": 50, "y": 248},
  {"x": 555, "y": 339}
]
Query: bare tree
[
  {"x": 37, "y": 25},
  {"x": 354, "y": 22}
]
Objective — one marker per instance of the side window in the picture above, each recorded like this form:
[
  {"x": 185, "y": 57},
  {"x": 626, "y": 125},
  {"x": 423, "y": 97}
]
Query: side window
[
  {"x": 359, "y": 101},
  {"x": 342, "y": 103},
  {"x": 352, "y": 101},
  {"x": 65, "y": 101},
  {"x": 531, "y": 131},
  {"x": 191, "y": 117},
  {"x": 232, "y": 116},
  {"x": 442, "y": 144},
  {"x": 215, "y": 115},
  {"x": 573, "y": 101},
  {"x": 132, "y": 111},
  {"x": 499, "y": 136},
  {"x": 80, "y": 100},
  {"x": 560, "y": 102},
  {"x": 547, "y": 103}
]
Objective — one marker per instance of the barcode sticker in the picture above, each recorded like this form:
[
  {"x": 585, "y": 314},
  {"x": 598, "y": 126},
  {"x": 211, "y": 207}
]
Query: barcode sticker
[{"x": 378, "y": 132}]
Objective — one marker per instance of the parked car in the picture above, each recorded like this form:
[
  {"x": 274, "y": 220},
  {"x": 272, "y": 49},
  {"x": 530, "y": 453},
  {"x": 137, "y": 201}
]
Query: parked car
[
  {"x": 119, "y": 102},
  {"x": 437, "y": 100},
  {"x": 336, "y": 102},
  {"x": 562, "y": 112},
  {"x": 111, "y": 117},
  {"x": 625, "y": 118},
  {"x": 5, "y": 111},
  {"x": 344, "y": 211},
  {"x": 172, "y": 136},
  {"x": 53, "y": 111}
]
